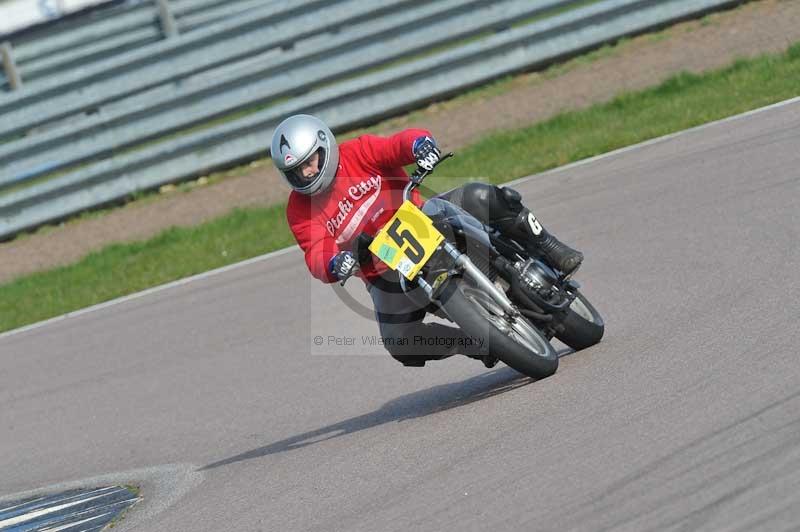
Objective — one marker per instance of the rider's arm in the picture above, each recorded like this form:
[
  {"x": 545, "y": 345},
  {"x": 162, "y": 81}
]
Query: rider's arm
[
  {"x": 393, "y": 151},
  {"x": 391, "y": 154},
  {"x": 315, "y": 241}
]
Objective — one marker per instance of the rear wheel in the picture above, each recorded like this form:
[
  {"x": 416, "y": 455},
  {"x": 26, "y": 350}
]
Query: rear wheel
[
  {"x": 516, "y": 342},
  {"x": 583, "y": 327}
]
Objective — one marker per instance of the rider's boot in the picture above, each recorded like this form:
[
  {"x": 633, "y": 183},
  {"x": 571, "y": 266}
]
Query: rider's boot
[
  {"x": 502, "y": 208},
  {"x": 529, "y": 232},
  {"x": 518, "y": 222},
  {"x": 488, "y": 360},
  {"x": 434, "y": 341},
  {"x": 479, "y": 351},
  {"x": 476, "y": 348},
  {"x": 463, "y": 344}
]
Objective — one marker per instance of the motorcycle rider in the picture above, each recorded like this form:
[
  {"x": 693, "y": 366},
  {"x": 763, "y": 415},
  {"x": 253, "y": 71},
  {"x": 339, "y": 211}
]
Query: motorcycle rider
[{"x": 338, "y": 191}]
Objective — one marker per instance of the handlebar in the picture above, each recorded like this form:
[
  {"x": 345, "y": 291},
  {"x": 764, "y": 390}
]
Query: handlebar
[
  {"x": 416, "y": 178},
  {"x": 362, "y": 242}
]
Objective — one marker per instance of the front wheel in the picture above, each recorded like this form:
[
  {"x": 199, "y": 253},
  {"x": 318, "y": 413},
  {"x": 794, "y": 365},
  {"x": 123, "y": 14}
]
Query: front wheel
[
  {"x": 583, "y": 326},
  {"x": 517, "y": 343}
]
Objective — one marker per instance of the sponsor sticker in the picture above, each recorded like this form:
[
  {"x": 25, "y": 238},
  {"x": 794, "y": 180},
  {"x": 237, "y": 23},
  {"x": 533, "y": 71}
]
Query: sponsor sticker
[
  {"x": 405, "y": 266},
  {"x": 387, "y": 253}
]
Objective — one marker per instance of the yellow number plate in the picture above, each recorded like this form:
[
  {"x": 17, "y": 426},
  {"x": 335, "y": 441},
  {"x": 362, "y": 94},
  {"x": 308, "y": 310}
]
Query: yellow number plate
[{"x": 407, "y": 241}]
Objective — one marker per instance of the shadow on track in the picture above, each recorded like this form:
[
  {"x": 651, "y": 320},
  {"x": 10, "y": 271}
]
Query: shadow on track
[{"x": 417, "y": 404}]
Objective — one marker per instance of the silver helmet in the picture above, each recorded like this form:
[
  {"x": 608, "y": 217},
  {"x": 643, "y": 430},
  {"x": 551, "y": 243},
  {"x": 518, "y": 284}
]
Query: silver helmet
[{"x": 297, "y": 140}]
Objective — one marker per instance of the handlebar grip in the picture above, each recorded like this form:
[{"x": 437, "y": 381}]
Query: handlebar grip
[
  {"x": 361, "y": 252},
  {"x": 421, "y": 173},
  {"x": 361, "y": 247}
]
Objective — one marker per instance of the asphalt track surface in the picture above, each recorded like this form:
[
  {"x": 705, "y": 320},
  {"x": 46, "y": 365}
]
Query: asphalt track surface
[{"x": 213, "y": 397}]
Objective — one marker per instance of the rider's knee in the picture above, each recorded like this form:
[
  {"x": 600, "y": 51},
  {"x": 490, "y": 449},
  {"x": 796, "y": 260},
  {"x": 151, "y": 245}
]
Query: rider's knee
[
  {"x": 490, "y": 203},
  {"x": 397, "y": 345},
  {"x": 478, "y": 194},
  {"x": 398, "y": 342},
  {"x": 479, "y": 199},
  {"x": 394, "y": 337}
]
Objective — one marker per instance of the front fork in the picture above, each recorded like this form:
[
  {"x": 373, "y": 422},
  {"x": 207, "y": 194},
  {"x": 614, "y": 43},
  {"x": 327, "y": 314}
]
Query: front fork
[{"x": 463, "y": 262}]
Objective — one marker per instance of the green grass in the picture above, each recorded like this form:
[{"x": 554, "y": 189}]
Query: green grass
[
  {"x": 681, "y": 102},
  {"x": 125, "y": 268}
]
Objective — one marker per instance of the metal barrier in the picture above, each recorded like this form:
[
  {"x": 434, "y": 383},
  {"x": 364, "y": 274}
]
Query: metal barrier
[
  {"x": 180, "y": 107},
  {"x": 176, "y": 108},
  {"x": 101, "y": 33}
]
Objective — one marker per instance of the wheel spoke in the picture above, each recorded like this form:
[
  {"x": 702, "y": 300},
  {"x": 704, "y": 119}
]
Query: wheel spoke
[{"x": 520, "y": 330}]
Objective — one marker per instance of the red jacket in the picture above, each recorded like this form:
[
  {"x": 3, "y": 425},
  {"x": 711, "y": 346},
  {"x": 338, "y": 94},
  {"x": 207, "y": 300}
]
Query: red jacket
[{"x": 364, "y": 195}]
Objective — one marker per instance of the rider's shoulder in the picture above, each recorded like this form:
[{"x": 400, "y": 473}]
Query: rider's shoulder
[
  {"x": 297, "y": 199},
  {"x": 365, "y": 145},
  {"x": 354, "y": 143},
  {"x": 350, "y": 144}
]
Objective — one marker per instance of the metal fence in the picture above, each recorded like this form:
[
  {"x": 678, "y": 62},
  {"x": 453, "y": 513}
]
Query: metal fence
[
  {"x": 61, "y": 45},
  {"x": 170, "y": 109}
]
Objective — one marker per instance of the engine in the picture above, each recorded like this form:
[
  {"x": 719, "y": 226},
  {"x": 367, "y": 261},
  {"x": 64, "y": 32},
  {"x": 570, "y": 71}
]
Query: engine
[{"x": 537, "y": 276}]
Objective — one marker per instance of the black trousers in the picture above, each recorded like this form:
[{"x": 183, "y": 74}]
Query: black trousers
[{"x": 400, "y": 317}]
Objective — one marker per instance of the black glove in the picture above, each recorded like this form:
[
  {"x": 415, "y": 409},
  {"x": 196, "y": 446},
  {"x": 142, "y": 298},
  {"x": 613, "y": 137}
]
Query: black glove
[
  {"x": 343, "y": 265},
  {"x": 361, "y": 247},
  {"x": 426, "y": 153}
]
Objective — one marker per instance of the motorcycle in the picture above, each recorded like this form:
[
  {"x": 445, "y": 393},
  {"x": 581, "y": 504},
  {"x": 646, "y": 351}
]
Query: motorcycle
[{"x": 485, "y": 282}]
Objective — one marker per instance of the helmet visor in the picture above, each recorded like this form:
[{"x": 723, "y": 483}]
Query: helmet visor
[{"x": 308, "y": 171}]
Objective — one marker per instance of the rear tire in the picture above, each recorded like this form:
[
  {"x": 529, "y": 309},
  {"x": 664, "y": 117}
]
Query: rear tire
[
  {"x": 583, "y": 327},
  {"x": 519, "y": 344}
]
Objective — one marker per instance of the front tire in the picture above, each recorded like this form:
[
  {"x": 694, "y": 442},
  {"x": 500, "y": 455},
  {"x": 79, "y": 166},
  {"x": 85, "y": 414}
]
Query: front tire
[
  {"x": 518, "y": 344},
  {"x": 583, "y": 326}
]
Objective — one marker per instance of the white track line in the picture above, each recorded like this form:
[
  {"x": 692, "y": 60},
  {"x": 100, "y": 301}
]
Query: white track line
[{"x": 260, "y": 258}]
